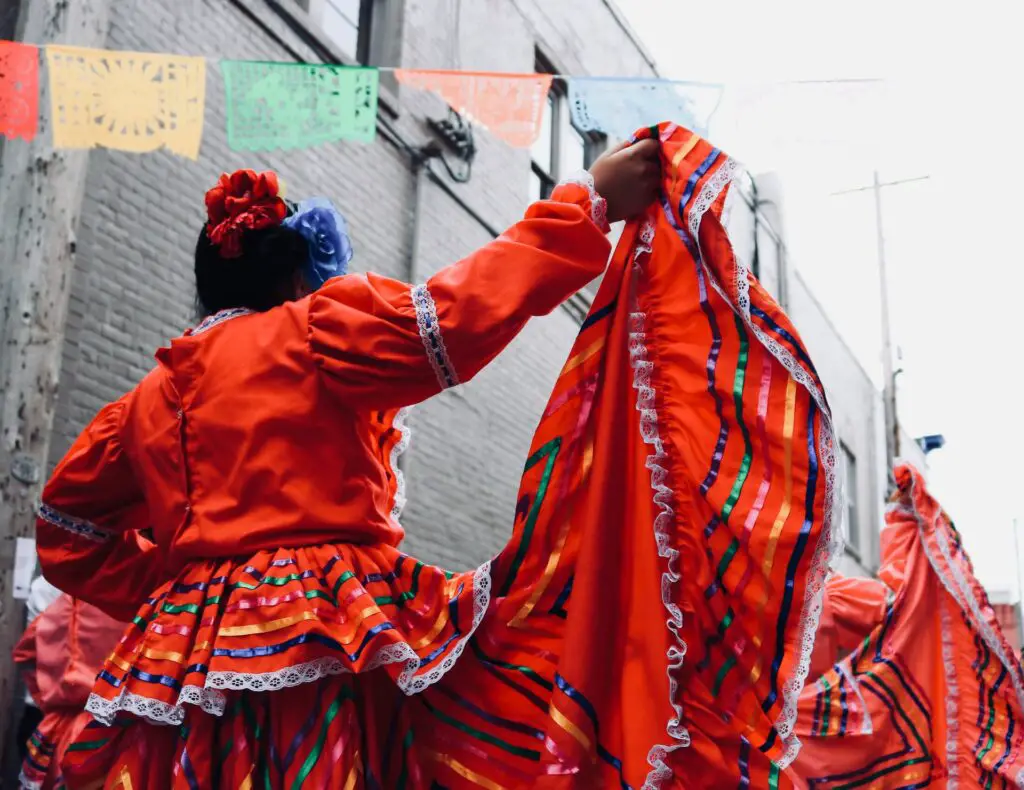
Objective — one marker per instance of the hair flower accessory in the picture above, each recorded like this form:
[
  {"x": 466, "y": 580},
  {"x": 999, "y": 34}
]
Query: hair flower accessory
[
  {"x": 244, "y": 200},
  {"x": 326, "y": 232}
]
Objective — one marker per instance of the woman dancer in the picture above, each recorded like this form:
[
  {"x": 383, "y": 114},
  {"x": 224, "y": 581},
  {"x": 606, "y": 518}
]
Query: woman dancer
[{"x": 261, "y": 452}]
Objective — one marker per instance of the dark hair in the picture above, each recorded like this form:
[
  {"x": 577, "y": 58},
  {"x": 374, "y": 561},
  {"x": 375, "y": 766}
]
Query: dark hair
[{"x": 262, "y": 277}]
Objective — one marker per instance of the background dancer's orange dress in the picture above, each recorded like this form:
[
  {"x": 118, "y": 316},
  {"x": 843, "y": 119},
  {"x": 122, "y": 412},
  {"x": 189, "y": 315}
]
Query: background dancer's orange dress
[
  {"x": 661, "y": 587},
  {"x": 59, "y": 655},
  {"x": 932, "y": 695}
]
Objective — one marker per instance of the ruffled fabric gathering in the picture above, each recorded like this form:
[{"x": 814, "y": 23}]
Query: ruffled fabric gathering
[
  {"x": 889, "y": 711},
  {"x": 663, "y": 498},
  {"x": 738, "y": 514},
  {"x": 598, "y": 205}
]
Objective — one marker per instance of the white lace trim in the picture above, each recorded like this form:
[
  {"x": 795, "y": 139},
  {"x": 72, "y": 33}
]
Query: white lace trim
[
  {"x": 289, "y": 677},
  {"x": 728, "y": 206},
  {"x": 25, "y": 784},
  {"x": 76, "y": 526},
  {"x": 898, "y": 509},
  {"x": 212, "y": 700},
  {"x": 598, "y": 205},
  {"x": 396, "y": 452},
  {"x": 433, "y": 342},
  {"x": 866, "y": 726},
  {"x": 481, "y": 603},
  {"x": 952, "y": 699},
  {"x": 646, "y": 404},
  {"x": 984, "y": 629},
  {"x": 830, "y": 544},
  {"x": 219, "y": 318},
  {"x": 152, "y": 710}
]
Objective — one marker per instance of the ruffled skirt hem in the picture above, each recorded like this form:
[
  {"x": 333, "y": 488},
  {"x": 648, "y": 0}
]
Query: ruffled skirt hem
[{"x": 332, "y": 610}]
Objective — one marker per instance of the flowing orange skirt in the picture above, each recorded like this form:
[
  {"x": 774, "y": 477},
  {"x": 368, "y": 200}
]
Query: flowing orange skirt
[
  {"x": 649, "y": 624},
  {"x": 933, "y": 694}
]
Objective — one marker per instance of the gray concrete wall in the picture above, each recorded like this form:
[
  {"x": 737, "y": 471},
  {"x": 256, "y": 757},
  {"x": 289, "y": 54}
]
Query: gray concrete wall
[{"x": 133, "y": 286}]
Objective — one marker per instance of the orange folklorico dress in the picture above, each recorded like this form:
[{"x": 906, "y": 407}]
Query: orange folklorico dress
[
  {"x": 59, "y": 655},
  {"x": 649, "y": 623},
  {"x": 925, "y": 690}
]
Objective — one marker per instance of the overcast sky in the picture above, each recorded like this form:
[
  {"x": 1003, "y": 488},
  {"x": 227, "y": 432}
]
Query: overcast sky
[{"x": 949, "y": 108}]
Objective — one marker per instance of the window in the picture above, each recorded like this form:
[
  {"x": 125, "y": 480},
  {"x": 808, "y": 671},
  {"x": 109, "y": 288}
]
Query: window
[
  {"x": 361, "y": 31},
  {"x": 339, "y": 20},
  {"x": 853, "y": 536},
  {"x": 561, "y": 149}
]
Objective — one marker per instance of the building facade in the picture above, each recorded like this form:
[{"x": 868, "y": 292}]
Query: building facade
[{"x": 413, "y": 206}]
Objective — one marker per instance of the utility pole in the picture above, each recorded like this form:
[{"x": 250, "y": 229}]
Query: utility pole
[
  {"x": 892, "y": 427},
  {"x": 892, "y": 431},
  {"x": 40, "y": 199}
]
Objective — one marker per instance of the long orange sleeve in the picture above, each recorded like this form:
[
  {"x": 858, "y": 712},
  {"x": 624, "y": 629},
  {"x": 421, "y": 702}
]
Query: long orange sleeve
[
  {"x": 384, "y": 344},
  {"x": 87, "y": 531}
]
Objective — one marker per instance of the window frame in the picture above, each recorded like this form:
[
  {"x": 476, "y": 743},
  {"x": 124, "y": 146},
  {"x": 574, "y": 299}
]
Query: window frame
[
  {"x": 312, "y": 10},
  {"x": 379, "y": 41},
  {"x": 854, "y": 538},
  {"x": 593, "y": 143}
]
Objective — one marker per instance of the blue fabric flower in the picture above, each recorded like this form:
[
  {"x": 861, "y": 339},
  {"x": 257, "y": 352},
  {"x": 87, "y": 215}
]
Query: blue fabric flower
[{"x": 326, "y": 232}]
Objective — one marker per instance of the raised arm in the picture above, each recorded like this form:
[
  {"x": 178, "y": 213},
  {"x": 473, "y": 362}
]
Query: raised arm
[{"x": 382, "y": 343}]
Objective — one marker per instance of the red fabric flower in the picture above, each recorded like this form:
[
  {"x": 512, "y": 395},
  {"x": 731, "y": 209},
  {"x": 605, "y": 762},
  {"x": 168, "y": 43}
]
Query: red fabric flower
[{"x": 244, "y": 200}]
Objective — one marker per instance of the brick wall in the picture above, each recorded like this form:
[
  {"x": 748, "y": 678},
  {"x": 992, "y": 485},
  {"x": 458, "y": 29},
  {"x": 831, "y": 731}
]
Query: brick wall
[{"x": 133, "y": 286}]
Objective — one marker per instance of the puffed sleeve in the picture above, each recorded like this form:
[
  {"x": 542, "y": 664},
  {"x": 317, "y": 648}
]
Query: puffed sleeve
[
  {"x": 25, "y": 655},
  {"x": 87, "y": 530},
  {"x": 384, "y": 344}
]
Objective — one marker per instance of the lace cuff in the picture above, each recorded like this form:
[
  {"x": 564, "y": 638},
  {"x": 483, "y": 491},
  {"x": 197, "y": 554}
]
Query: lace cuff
[
  {"x": 433, "y": 342},
  {"x": 76, "y": 526},
  {"x": 598, "y": 205}
]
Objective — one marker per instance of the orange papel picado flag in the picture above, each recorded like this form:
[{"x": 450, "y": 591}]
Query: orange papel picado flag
[{"x": 510, "y": 106}]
